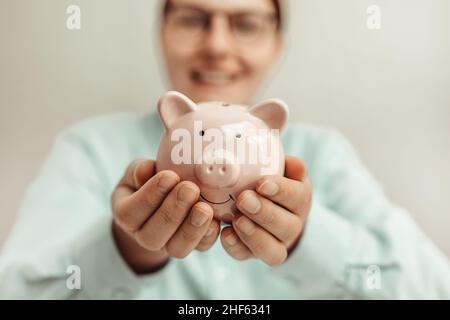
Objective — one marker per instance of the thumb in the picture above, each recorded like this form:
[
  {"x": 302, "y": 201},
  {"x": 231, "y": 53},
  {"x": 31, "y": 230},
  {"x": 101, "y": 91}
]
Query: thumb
[
  {"x": 145, "y": 169},
  {"x": 295, "y": 168}
]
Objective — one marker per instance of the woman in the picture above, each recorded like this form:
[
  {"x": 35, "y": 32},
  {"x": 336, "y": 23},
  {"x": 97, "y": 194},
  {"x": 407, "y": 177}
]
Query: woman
[{"x": 134, "y": 233}]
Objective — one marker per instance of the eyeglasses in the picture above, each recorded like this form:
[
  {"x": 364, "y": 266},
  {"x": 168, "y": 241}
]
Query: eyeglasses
[{"x": 191, "y": 23}]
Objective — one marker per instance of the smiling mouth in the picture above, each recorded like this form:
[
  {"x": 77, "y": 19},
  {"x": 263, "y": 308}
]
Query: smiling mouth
[
  {"x": 216, "y": 78},
  {"x": 230, "y": 198}
]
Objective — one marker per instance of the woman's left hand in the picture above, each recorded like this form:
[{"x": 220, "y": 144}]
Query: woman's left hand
[{"x": 272, "y": 219}]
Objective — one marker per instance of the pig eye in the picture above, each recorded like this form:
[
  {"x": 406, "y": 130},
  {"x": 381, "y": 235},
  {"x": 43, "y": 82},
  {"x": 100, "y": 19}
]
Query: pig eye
[
  {"x": 238, "y": 135},
  {"x": 201, "y": 133}
]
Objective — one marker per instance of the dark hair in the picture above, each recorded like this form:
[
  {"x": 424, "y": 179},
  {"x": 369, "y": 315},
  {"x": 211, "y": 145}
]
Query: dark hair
[{"x": 276, "y": 3}]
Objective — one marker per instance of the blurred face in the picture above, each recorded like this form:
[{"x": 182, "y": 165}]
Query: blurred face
[{"x": 219, "y": 50}]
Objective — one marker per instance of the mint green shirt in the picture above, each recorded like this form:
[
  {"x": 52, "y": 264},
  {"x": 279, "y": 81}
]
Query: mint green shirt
[{"x": 357, "y": 244}]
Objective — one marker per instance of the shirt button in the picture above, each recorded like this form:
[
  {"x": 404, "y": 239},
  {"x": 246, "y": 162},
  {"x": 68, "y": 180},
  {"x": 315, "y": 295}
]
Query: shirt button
[{"x": 121, "y": 293}]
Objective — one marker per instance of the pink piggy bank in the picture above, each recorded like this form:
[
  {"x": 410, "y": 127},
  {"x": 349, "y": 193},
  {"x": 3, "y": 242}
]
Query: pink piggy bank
[{"x": 223, "y": 148}]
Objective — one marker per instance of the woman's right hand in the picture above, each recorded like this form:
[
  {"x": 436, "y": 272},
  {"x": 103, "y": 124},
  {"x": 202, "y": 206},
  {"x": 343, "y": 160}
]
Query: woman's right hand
[{"x": 156, "y": 217}]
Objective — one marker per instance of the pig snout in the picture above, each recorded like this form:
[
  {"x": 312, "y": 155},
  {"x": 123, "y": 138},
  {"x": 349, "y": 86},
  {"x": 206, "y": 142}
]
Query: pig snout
[{"x": 217, "y": 169}]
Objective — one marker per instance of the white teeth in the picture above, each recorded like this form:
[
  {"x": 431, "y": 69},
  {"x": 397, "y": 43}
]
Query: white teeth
[{"x": 213, "y": 77}]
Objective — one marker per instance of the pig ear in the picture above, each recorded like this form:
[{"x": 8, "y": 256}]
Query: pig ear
[
  {"x": 172, "y": 106},
  {"x": 274, "y": 112}
]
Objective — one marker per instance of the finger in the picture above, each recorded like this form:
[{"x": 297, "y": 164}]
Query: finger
[
  {"x": 275, "y": 219},
  {"x": 262, "y": 244},
  {"x": 137, "y": 173},
  {"x": 233, "y": 245},
  {"x": 210, "y": 236},
  {"x": 295, "y": 168},
  {"x": 191, "y": 232},
  {"x": 132, "y": 210},
  {"x": 293, "y": 195},
  {"x": 160, "y": 227}
]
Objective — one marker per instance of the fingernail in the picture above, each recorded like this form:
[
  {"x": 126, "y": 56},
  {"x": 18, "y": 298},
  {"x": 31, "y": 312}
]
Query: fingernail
[
  {"x": 246, "y": 226},
  {"x": 250, "y": 204},
  {"x": 269, "y": 188},
  {"x": 210, "y": 232},
  {"x": 231, "y": 239},
  {"x": 166, "y": 182},
  {"x": 186, "y": 195},
  {"x": 199, "y": 218}
]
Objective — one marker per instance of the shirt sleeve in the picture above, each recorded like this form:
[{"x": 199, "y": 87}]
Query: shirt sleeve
[
  {"x": 357, "y": 244},
  {"x": 62, "y": 245}
]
